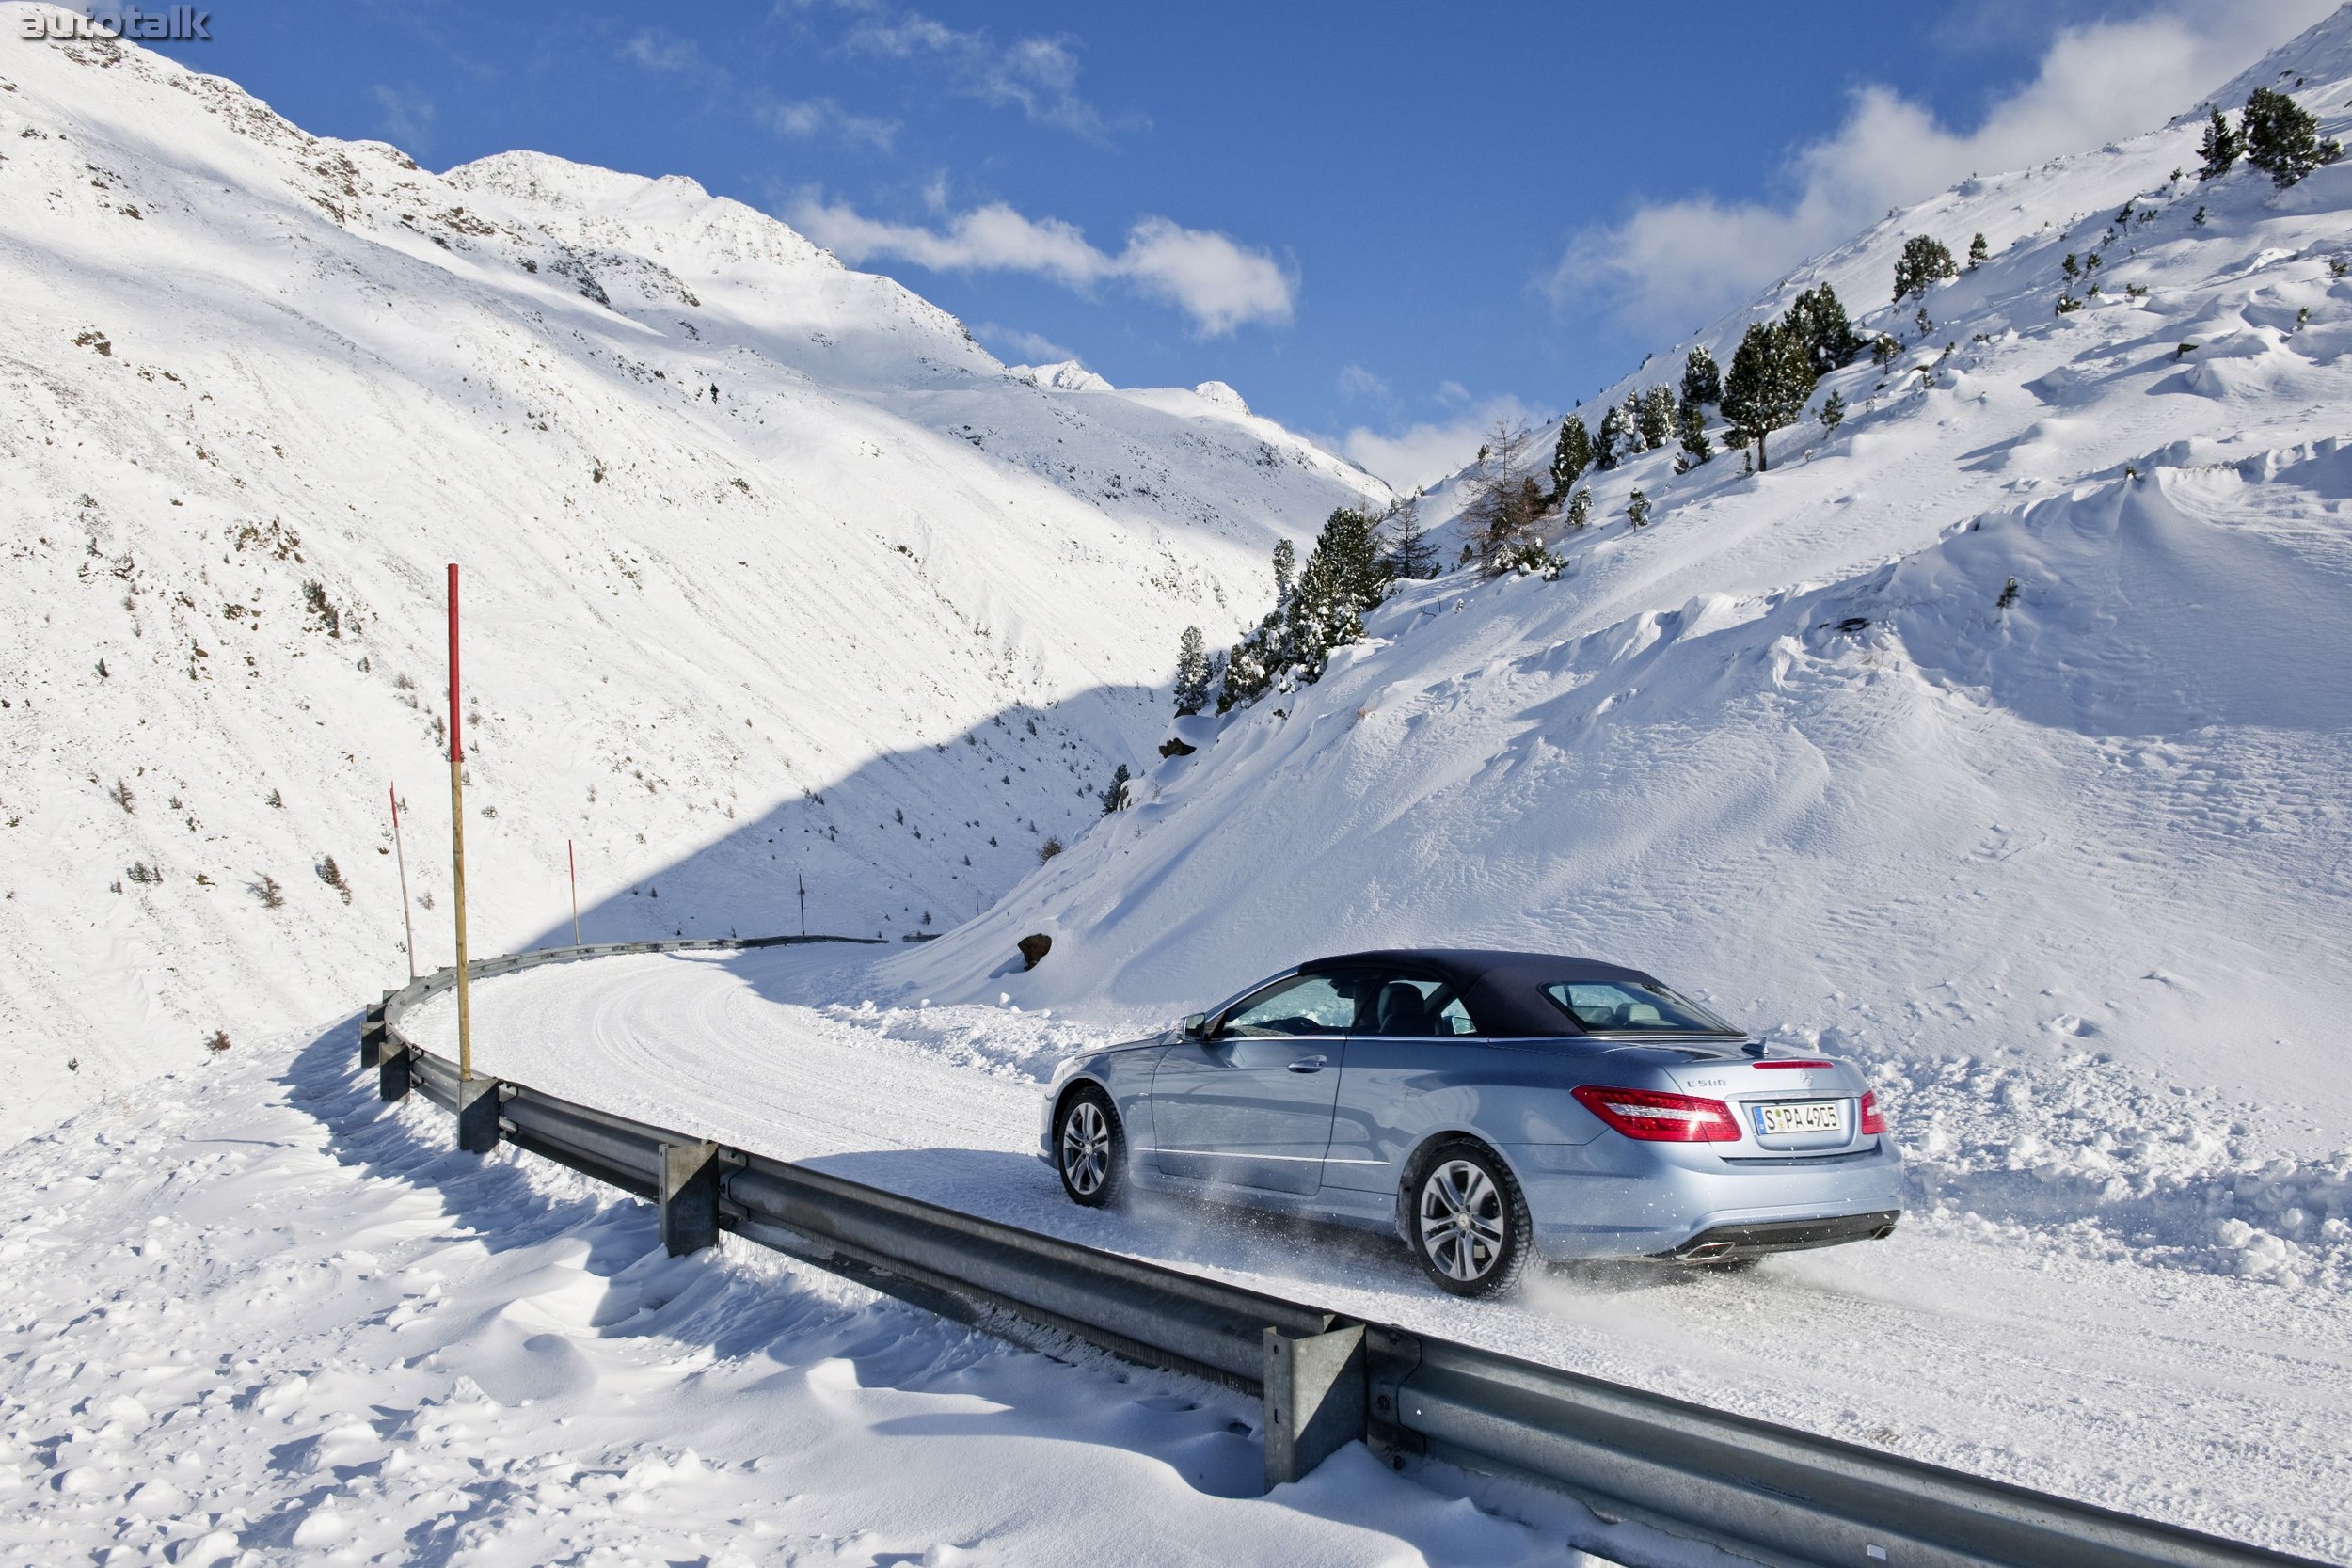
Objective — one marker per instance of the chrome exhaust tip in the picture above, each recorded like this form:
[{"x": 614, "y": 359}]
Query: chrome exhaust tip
[{"x": 1706, "y": 1252}]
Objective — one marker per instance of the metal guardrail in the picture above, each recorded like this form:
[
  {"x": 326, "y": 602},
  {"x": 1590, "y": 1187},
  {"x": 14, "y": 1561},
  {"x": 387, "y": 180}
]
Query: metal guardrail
[{"x": 1768, "y": 1494}]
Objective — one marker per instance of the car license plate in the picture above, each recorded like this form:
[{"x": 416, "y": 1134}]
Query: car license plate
[{"x": 1808, "y": 1115}]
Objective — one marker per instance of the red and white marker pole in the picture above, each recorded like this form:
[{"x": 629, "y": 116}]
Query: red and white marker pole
[{"x": 572, "y": 861}]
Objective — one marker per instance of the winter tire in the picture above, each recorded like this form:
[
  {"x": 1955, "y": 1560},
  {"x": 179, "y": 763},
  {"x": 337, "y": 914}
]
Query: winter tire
[
  {"x": 1091, "y": 1149},
  {"x": 1468, "y": 1221}
]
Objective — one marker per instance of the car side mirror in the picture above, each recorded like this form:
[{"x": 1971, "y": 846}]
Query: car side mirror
[{"x": 1195, "y": 1026}]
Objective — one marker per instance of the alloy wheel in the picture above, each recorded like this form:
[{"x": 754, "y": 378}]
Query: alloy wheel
[
  {"x": 1463, "y": 1220},
  {"x": 1085, "y": 1148}
]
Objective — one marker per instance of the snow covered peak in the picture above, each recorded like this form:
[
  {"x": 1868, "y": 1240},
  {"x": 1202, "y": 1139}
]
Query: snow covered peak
[
  {"x": 557, "y": 185},
  {"x": 1067, "y": 376},
  {"x": 1222, "y": 395}
]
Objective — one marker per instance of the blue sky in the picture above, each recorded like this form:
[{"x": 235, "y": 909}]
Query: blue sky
[{"x": 1385, "y": 225}]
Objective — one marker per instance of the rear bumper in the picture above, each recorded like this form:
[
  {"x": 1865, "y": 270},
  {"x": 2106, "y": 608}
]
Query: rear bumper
[{"x": 1618, "y": 1198}]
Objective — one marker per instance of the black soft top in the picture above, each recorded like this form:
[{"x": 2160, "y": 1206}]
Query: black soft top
[{"x": 1503, "y": 990}]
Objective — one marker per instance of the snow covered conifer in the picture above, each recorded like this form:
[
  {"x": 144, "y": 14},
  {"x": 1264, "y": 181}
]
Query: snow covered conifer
[
  {"x": 1637, "y": 510},
  {"x": 2220, "y": 146},
  {"x": 1925, "y": 261},
  {"x": 2283, "y": 138},
  {"x": 1192, "y": 673},
  {"x": 1831, "y": 341},
  {"x": 1581, "y": 508},
  {"x": 1347, "y": 554},
  {"x": 1612, "y": 435},
  {"x": 1979, "y": 253},
  {"x": 1285, "y": 569},
  {"x": 1115, "y": 793},
  {"x": 1690, "y": 424},
  {"x": 1772, "y": 376},
  {"x": 1702, "y": 381},
  {"x": 1833, "y": 412},
  {"x": 1570, "y": 456},
  {"x": 1654, "y": 415}
]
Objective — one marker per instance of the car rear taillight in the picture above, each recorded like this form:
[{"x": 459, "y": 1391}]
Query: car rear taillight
[
  {"x": 1657, "y": 1118},
  {"x": 1808, "y": 1063},
  {"x": 1873, "y": 1124}
]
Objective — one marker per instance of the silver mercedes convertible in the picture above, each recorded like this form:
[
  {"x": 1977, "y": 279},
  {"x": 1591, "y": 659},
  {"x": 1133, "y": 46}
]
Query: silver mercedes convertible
[{"x": 1490, "y": 1108}]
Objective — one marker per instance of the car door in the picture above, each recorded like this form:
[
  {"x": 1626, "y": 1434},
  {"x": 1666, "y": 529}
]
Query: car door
[
  {"x": 1249, "y": 1106},
  {"x": 1414, "y": 1038}
]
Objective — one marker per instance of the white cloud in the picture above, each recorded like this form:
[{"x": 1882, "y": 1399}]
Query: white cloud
[
  {"x": 1031, "y": 347},
  {"x": 805, "y": 120},
  {"x": 663, "y": 52},
  {"x": 1422, "y": 454},
  {"x": 1357, "y": 382},
  {"x": 1037, "y": 76},
  {"x": 1670, "y": 263},
  {"x": 407, "y": 117},
  {"x": 1218, "y": 282}
]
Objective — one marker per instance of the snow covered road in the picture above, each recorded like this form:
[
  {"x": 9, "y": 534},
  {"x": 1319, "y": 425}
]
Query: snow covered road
[{"x": 2027, "y": 1352}]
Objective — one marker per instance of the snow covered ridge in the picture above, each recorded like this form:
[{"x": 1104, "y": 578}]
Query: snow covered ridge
[
  {"x": 772, "y": 572},
  {"x": 1995, "y": 736}
]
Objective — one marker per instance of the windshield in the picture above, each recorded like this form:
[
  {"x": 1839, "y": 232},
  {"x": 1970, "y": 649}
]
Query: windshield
[{"x": 1633, "y": 1008}]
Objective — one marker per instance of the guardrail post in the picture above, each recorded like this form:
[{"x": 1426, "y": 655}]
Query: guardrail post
[
  {"x": 372, "y": 1030},
  {"x": 477, "y": 1115},
  {"x": 392, "y": 1070},
  {"x": 1314, "y": 1399},
  {"x": 689, "y": 1196}
]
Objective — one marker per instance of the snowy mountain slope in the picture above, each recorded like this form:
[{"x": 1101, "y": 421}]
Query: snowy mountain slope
[
  {"x": 2041, "y": 861},
  {"x": 740, "y": 528}
]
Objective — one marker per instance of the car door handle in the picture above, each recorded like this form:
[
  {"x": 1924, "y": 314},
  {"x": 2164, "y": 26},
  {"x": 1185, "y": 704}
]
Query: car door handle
[{"x": 1308, "y": 1064}]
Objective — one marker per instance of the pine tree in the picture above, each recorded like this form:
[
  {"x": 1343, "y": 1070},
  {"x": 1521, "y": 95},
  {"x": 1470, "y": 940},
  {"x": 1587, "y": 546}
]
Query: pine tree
[
  {"x": 1654, "y": 417},
  {"x": 1702, "y": 382},
  {"x": 1696, "y": 448},
  {"x": 1637, "y": 510},
  {"x": 1348, "y": 553},
  {"x": 1612, "y": 435},
  {"x": 1833, "y": 412},
  {"x": 1831, "y": 341},
  {"x": 2283, "y": 138},
  {"x": 1979, "y": 253},
  {"x": 1925, "y": 261},
  {"x": 2220, "y": 146},
  {"x": 1570, "y": 456},
  {"x": 1192, "y": 673},
  {"x": 1772, "y": 376},
  {"x": 1115, "y": 796},
  {"x": 1581, "y": 508},
  {"x": 1504, "y": 503},
  {"x": 1409, "y": 555},
  {"x": 1285, "y": 568}
]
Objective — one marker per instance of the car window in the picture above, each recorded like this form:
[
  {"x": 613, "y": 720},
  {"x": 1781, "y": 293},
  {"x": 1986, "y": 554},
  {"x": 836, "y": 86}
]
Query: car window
[
  {"x": 1631, "y": 1007},
  {"x": 1412, "y": 1006},
  {"x": 1311, "y": 1005}
]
